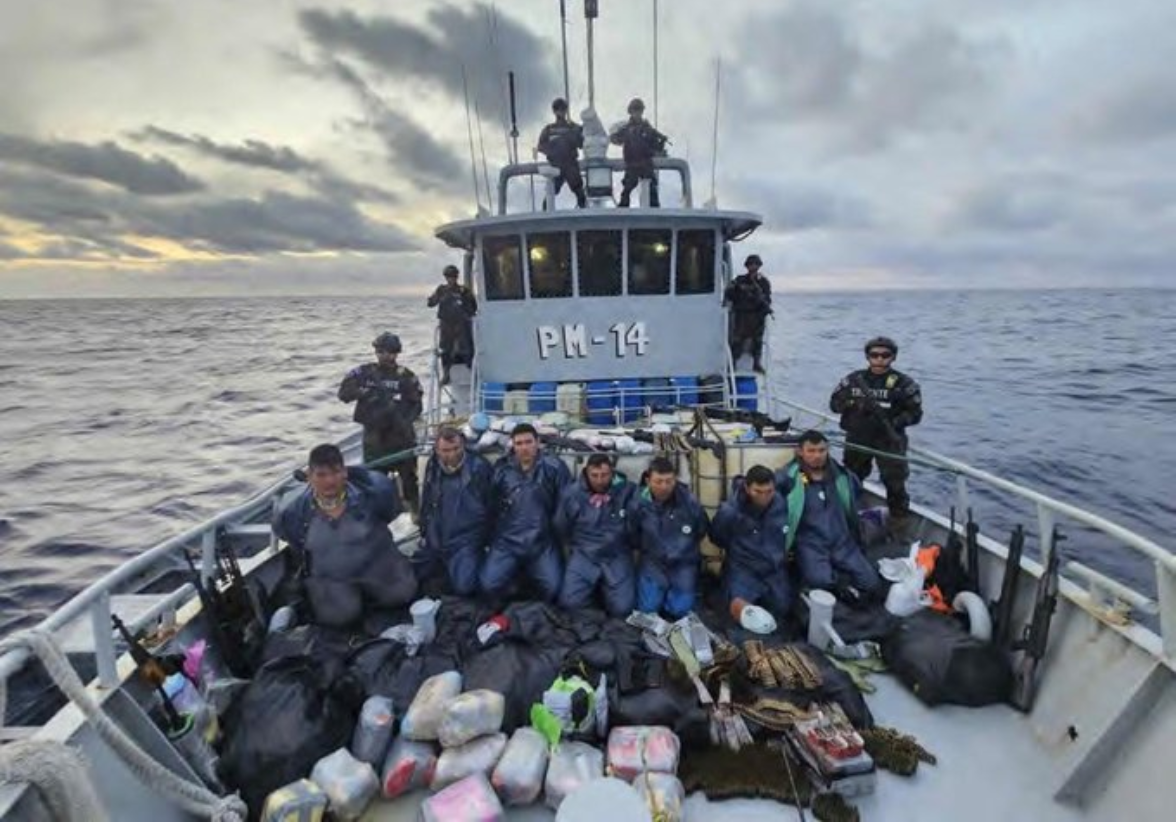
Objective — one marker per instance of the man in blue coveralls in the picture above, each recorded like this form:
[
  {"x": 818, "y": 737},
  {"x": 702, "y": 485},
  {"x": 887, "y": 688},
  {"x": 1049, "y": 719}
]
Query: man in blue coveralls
[
  {"x": 526, "y": 489},
  {"x": 455, "y": 516},
  {"x": 669, "y": 524},
  {"x": 823, "y": 521},
  {"x": 591, "y": 520},
  {"x": 752, "y": 527}
]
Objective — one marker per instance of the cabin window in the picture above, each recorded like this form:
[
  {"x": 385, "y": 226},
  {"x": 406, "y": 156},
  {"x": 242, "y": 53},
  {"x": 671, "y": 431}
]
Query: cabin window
[
  {"x": 502, "y": 265},
  {"x": 600, "y": 261},
  {"x": 696, "y": 262},
  {"x": 550, "y": 256},
  {"x": 649, "y": 261}
]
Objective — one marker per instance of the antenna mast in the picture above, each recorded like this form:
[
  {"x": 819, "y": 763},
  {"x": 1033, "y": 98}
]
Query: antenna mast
[
  {"x": 514, "y": 120},
  {"x": 591, "y": 12},
  {"x": 715, "y": 133},
  {"x": 655, "y": 63},
  {"x": 465, "y": 86},
  {"x": 563, "y": 32}
]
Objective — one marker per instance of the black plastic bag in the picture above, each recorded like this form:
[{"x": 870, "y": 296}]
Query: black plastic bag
[
  {"x": 941, "y": 662},
  {"x": 287, "y": 719}
]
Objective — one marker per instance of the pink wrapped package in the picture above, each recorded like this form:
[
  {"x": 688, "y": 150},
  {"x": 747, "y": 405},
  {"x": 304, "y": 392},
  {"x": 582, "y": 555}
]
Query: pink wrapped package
[
  {"x": 636, "y": 749},
  {"x": 408, "y": 766},
  {"x": 468, "y": 800}
]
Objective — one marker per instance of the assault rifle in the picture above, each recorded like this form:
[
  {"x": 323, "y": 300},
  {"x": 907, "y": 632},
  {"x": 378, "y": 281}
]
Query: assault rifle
[
  {"x": 232, "y": 614},
  {"x": 972, "y": 552},
  {"x": 872, "y": 408},
  {"x": 1002, "y": 621},
  {"x": 152, "y": 669},
  {"x": 1036, "y": 633}
]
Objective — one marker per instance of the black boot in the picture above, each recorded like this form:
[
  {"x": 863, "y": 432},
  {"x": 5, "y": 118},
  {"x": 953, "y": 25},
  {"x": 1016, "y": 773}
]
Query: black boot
[{"x": 758, "y": 367}]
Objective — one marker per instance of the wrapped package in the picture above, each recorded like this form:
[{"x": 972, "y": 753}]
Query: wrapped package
[
  {"x": 572, "y": 765},
  {"x": 477, "y": 756},
  {"x": 467, "y": 800},
  {"x": 347, "y": 782},
  {"x": 518, "y": 777},
  {"x": 428, "y": 706},
  {"x": 470, "y": 715},
  {"x": 663, "y": 794},
  {"x": 408, "y": 767},
  {"x": 374, "y": 730},
  {"x": 301, "y": 801},
  {"x": 635, "y": 749}
]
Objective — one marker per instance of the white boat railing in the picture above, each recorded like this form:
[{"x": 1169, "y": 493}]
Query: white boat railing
[{"x": 1048, "y": 509}]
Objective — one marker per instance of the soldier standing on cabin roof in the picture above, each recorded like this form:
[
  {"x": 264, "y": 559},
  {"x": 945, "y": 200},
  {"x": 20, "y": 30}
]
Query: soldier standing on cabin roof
[
  {"x": 388, "y": 400},
  {"x": 641, "y": 142},
  {"x": 877, "y": 404},
  {"x": 749, "y": 297},
  {"x": 560, "y": 142},
  {"x": 456, "y": 307}
]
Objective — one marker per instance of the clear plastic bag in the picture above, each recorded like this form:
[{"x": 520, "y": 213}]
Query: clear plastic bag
[
  {"x": 478, "y": 756},
  {"x": 636, "y": 749},
  {"x": 470, "y": 715},
  {"x": 469, "y": 800},
  {"x": 428, "y": 706},
  {"x": 349, "y": 783},
  {"x": 298, "y": 800},
  {"x": 663, "y": 794},
  {"x": 518, "y": 777},
  {"x": 572, "y": 765},
  {"x": 374, "y": 730},
  {"x": 408, "y": 767}
]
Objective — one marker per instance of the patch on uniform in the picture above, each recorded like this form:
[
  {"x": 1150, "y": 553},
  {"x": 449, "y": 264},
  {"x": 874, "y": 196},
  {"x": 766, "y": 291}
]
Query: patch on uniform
[
  {"x": 891, "y": 380},
  {"x": 686, "y": 529}
]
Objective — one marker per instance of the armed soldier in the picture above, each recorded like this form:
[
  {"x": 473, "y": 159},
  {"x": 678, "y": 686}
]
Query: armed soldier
[
  {"x": 456, "y": 306},
  {"x": 388, "y": 400},
  {"x": 560, "y": 142},
  {"x": 877, "y": 404},
  {"x": 640, "y": 143},
  {"x": 749, "y": 297}
]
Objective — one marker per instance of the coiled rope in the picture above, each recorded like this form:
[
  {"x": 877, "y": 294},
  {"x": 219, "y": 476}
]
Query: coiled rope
[{"x": 193, "y": 798}]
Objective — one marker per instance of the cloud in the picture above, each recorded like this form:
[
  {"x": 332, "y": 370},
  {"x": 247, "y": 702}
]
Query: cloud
[
  {"x": 107, "y": 162},
  {"x": 791, "y": 206},
  {"x": 282, "y": 159},
  {"x": 411, "y": 149},
  {"x": 1139, "y": 111},
  {"x": 815, "y": 69},
  {"x": 485, "y": 40},
  {"x": 101, "y": 222}
]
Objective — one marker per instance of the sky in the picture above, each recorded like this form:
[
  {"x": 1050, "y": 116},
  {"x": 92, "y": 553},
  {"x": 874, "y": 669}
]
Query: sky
[{"x": 160, "y": 148}]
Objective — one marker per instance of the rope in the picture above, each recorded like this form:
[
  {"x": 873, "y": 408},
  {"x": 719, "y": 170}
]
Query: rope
[
  {"x": 190, "y": 797},
  {"x": 60, "y": 776}
]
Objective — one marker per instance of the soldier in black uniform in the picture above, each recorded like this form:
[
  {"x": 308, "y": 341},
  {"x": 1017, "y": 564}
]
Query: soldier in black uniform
[
  {"x": 560, "y": 142},
  {"x": 877, "y": 404},
  {"x": 388, "y": 399},
  {"x": 749, "y": 297},
  {"x": 641, "y": 142},
  {"x": 456, "y": 307}
]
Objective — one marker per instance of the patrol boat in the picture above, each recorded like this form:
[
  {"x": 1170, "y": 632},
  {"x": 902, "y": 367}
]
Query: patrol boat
[{"x": 603, "y": 323}]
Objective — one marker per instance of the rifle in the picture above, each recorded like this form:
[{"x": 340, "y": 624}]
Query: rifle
[
  {"x": 972, "y": 540},
  {"x": 1036, "y": 633},
  {"x": 154, "y": 670},
  {"x": 231, "y": 613},
  {"x": 872, "y": 408},
  {"x": 1002, "y": 622}
]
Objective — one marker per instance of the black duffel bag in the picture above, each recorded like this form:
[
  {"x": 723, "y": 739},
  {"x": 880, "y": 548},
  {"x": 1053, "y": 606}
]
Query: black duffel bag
[{"x": 941, "y": 662}]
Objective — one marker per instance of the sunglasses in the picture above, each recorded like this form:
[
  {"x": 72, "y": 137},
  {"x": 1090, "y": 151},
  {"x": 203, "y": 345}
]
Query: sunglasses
[{"x": 880, "y": 355}]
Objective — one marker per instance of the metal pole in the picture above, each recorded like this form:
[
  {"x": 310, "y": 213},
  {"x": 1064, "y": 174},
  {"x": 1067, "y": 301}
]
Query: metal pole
[
  {"x": 563, "y": 31},
  {"x": 591, "y": 75},
  {"x": 655, "y": 63}
]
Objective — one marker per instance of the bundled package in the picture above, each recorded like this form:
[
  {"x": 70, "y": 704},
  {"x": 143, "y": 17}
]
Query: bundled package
[
  {"x": 470, "y": 715},
  {"x": 572, "y": 764},
  {"x": 638, "y": 748},
  {"x": 428, "y": 706},
  {"x": 409, "y": 766},
  {"x": 477, "y": 756},
  {"x": 518, "y": 777},
  {"x": 663, "y": 794},
  {"x": 347, "y": 782},
  {"x": 468, "y": 800},
  {"x": 301, "y": 801},
  {"x": 374, "y": 731}
]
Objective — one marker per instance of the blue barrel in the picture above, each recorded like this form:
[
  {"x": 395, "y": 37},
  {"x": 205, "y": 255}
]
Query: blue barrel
[
  {"x": 631, "y": 397},
  {"x": 659, "y": 393},
  {"x": 746, "y": 393},
  {"x": 493, "y": 393},
  {"x": 600, "y": 398},
  {"x": 541, "y": 397},
  {"x": 685, "y": 390}
]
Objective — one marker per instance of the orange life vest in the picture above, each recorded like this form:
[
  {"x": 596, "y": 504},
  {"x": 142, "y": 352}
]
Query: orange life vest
[{"x": 926, "y": 558}]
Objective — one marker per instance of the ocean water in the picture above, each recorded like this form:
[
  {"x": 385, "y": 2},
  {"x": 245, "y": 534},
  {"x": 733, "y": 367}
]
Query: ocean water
[{"x": 123, "y": 422}]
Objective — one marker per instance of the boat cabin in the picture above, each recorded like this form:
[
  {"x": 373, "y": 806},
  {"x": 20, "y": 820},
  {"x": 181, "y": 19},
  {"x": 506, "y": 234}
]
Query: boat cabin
[{"x": 605, "y": 309}]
